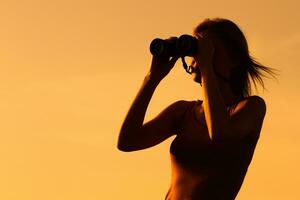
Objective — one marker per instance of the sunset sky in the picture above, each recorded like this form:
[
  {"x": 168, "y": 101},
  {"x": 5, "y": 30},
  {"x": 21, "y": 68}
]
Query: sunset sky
[{"x": 70, "y": 69}]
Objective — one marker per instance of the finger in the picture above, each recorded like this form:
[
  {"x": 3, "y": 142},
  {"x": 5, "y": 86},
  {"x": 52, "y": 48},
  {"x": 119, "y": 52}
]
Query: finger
[
  {"x": 199, "y": 36},
  {"x": 174, "y": 59},
  {"x": 162, "y": 58}
]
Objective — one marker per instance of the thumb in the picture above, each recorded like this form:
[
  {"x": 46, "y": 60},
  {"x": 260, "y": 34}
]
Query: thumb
[{"x": 174, "y": 59}]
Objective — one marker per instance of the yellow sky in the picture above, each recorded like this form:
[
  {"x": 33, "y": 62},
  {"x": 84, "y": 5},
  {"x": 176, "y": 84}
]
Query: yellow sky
[{"x": 69, "y": 70}]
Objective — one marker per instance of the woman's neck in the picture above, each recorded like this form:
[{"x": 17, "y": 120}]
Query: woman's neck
[{"x": 229, "y": 97}]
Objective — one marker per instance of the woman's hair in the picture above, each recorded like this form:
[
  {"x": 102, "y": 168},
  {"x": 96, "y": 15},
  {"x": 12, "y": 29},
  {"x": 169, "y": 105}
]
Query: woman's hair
[{"x": 236, "y": 44}]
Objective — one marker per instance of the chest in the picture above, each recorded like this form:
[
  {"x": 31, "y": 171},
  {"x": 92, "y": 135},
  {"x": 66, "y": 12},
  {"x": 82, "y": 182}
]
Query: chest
[
  {"x": 193, "y": 143},
  {"x": 193, "y": 128}
]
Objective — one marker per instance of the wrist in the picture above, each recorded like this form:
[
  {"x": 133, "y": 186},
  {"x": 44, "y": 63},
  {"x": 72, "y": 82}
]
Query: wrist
[
  {"x": 152, "y": 80},
  {"x": 207, "y": 73},
  {"x": 152, "y": 77}
]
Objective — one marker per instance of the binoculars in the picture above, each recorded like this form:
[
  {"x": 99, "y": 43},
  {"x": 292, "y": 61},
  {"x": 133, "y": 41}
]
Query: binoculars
[{"x": 185, "y": 45}]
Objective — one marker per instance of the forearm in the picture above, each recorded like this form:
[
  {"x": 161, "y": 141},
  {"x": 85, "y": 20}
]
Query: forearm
[
  {"x": 136, "y": 114},
  {"x": 216, "y": 115}
]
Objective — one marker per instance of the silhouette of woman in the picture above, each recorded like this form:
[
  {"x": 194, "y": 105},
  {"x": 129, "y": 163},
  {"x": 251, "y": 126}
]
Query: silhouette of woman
[{"x": 215, "y": 137}]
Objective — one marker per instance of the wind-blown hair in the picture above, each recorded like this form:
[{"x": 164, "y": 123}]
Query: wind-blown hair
[{"x": 236, "y": 44}]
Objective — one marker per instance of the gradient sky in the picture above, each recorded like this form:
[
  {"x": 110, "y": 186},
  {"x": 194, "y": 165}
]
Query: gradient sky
[{"x": 69, "y": 70}]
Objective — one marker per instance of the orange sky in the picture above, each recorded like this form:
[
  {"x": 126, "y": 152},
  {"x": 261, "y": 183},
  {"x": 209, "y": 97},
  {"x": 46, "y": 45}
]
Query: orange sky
[{"x": 69, "y": 70}]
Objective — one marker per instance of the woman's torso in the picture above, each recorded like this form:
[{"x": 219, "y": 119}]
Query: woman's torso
[{"x": 202, "y": 170}]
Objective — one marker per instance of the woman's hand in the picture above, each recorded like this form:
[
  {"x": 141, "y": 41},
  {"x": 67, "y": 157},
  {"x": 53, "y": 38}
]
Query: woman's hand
[
  {"x": 161, "y": 66},
  {"x": 205, "y": 52}
]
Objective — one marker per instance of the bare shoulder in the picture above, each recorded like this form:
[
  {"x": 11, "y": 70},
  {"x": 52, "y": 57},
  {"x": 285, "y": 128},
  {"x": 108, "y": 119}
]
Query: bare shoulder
[
  {"x": 247, "y": 117},
  {"x": 181, "y": 104},
  {"x": 178, "y": 109},
  {"x": 253, "y": 104},
  {"x": 256, "y": 99},
  {"x": 174, "y": 111}
]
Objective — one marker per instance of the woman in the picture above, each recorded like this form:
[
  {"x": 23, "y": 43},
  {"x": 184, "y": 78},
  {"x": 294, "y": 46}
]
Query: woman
[{"x": 215, "y": 138}]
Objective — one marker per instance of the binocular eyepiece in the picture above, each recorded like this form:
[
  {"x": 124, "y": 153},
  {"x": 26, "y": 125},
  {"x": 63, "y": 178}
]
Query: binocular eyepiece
[{"x": 185, "y": 45}]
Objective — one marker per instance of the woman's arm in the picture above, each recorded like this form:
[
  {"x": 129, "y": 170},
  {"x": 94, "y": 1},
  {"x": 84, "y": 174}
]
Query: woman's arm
[
  {"x": 216, "y": 116},
  {"x": 135, "y": 117},
  {"x": 133, "y": 134},
  {"x": 246, "y": 119}
]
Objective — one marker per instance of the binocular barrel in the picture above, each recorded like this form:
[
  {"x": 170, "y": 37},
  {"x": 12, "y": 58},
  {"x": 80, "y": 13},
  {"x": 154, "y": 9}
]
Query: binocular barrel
[{"x": 185, "y": 45}]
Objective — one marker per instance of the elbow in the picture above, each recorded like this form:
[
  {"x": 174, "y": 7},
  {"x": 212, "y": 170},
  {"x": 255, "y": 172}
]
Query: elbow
[
  {"x": 124, "y": 144},
  {"x": 124, "y": 148},
  {"x": 127, "y": 141}
]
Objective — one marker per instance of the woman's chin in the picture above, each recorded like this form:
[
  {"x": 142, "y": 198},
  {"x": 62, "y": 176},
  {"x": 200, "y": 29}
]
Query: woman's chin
[{"x": 196, "y": 77}]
